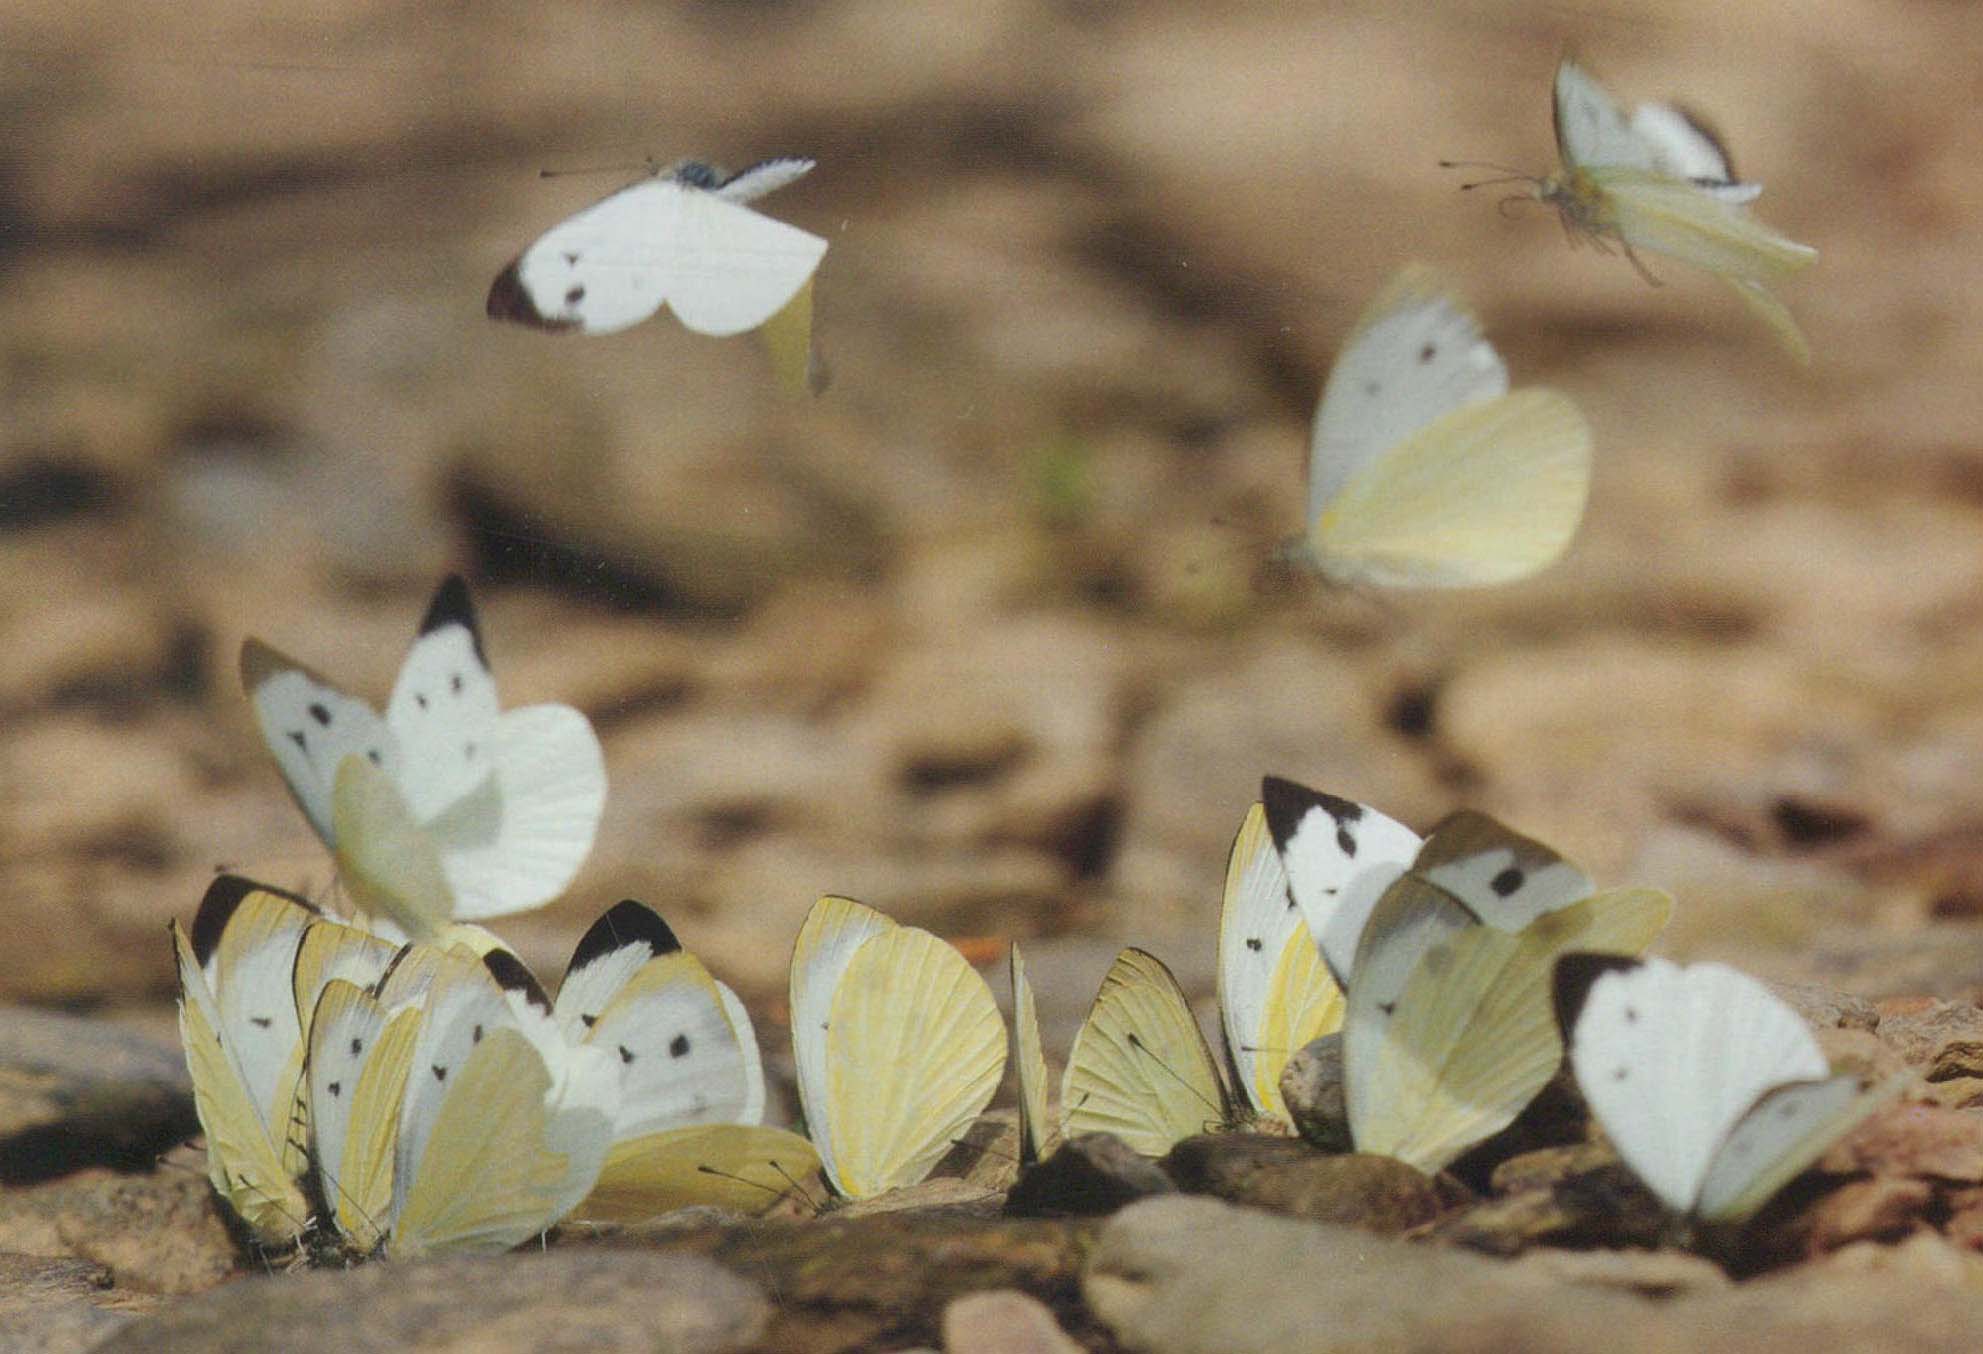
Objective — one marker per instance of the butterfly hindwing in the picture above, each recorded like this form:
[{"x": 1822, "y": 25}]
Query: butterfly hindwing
[{"x": 1140, "y": 1067}]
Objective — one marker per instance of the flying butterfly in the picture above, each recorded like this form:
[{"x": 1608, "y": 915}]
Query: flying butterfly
[
  {"x": 898, "y": 1043},
  {"x": 1710, "y": 1088},
  {"x": 1424, "y": 470},
  {"x": 447, "y": 808},
  {"x": 1662, "y": 181}
]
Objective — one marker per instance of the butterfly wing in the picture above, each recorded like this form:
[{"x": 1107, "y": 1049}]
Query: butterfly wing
[
  {"x": 253, "y": 933},
  {"x": 443, "y": 708},
  {"x": 1774, "y": 314},
  {"x": 1140, "y": 1067},
  {"x": 1591, "y": 128},
  {"x": 681, "y": 1061},
  {"x": 735, "y": 268},
  {"x": 1502, "y": 877},
  {"x": 752, "y": 1110},
  {"x": 1489, "y": 493},
  {"x": 359, "y": 1056},
  {"x": 310, "y": 727},
  {"x": 742, "y": 1167},
  {"x": 1682, "y": 222},
  {"x": 245, "y": 1161},
  {"x": 1275, "y": 993},
  {"x": 833, "y": 930},
  {"x": 1782, "y": 1134},
  {"x": 1339, "y": 856},
  {"x": 1473, "y": 1036},
  {"x": 1671, "y": 1058},
  {"x": 1415, "y": 355},
  {"x": 915, "y": 1049},
  {"x": 747, "y": 185},
  {"x": 1683, "y": 146},
  {"x": 1037, "y": 1134},
  {"x": 390, "y": 865}
]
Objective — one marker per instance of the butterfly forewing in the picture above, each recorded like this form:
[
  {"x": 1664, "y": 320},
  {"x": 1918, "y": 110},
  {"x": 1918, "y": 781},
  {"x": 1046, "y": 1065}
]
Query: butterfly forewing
[{"x": 1140, "y": 1067}]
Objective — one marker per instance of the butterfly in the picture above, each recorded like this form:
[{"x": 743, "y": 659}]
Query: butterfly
[
  {"x": 1449, "y": 1033},
  {"x": 1038, "y": 1133},
  {"x": 1338, "y": 857},
  {"x": 898, "y": 1043},
  {"x": 447, "y": 808},
  {"x": 1661, "y": 180},
  {"x": 1424, "y": 471},
  {"x": 1139, "y": 1066},
  {"x": 683, "y": 238},
  {"x": 244, "y": 1050},
  {"x": 690, "y": 1125},
  {"x": 444, "y": 1123},
  {"x": 1711, "y": 1089},
  {"x": 1275, "y": 992}
]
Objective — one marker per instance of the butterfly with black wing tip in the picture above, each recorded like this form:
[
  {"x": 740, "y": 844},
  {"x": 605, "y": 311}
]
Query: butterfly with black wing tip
[
  {"x": 690, "y": 1128},
  {"x": 898, "y": 1043},
  {"x": 1338, "y": 857},
  {"x": 1711, "y": 1089},
  {"x": 447, "y": 808},
  {"x": 244, "y": 1050},
  {"x": 682, "y": 238},
  {"x": 1662, "y": 180},
  {"x": 1424, "y": 470}
]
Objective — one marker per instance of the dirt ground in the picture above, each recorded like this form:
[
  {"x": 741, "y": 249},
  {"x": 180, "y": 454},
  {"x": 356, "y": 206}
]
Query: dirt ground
[{"x": 982, "y": 635}]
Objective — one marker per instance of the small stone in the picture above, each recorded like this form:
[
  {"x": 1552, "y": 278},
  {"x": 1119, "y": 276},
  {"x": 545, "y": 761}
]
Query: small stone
[
  {"x": 1945, "y": 1035},
  {"x": 1004, "y": 1321},
  {"x": 1913, "y": 1140},
  {"x": 1286, "y": 1175},
  {"x": 1880, "y": 1209},
  {"x": 1312, "y": 1088},
  {"x": 1090, "y": 1173},
  {"x": 1825, "y": 1008}
]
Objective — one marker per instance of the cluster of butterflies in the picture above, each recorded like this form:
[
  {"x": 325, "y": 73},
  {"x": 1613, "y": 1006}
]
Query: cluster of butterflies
[
  {"x": 1424, "y": 469},
  {"x": 1455, "y": 969}
]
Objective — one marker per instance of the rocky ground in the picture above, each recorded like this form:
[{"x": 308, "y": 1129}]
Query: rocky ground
[{"x": 983, "y": 635}]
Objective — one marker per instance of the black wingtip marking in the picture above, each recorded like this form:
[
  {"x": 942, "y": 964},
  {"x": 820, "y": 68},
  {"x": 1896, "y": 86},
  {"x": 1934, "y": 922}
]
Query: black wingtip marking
[
  {"x": 625, "y": 923},
  {"x": 452, "y": 606},
  {"x": 218, "y": 905},
  {"x": 1286, "y": 804},
  {"x": 512, "y": 976},
  {"x": 1572, "y": 984},
  {"x": 509, "y": 300}
]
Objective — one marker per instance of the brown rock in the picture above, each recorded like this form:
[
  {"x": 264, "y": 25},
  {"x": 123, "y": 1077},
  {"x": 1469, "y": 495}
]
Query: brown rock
[
  {"x": 1881, "y": 1209},
  {"x": 1914, "y": 1140},
  {"x": 1286, "y": 1175},
  {"x": 589, "y": 1297},
  {"x": 158, "y": 1233},
  {"x": 1312, "y": 1088},
  {"x": 1002, "y": 1322},
  {"x": 76, "y": 1092},
  {"x": 1823, "y": 1008},
  {"x": 56, "y": 1306},
  {"x": 1652, "y": 1274},
  {"x": 1091, "y": 1173},
  {"x": 1944, "y": 1039}
]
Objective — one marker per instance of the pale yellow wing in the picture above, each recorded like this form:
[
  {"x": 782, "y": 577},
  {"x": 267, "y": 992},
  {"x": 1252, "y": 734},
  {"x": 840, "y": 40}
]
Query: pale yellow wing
[
  {"x": 833, "y": 930},
  {"x": 1677, "y": 219},
  {"x": 1774, "y": 313},
  {"x": 389, "y": 864},
  {"x": 486, "y": 1180},
  {"x": 1275, "y": 992},
  {"x": 1037, "y": 1132},
  {"x": 744, "y": 1167},
  {"x": 1140, "y": 1067},
  {"x": 1473, "y": 1036},
  {"x": 359, "y": 1056},
  {"x": 245, "y": 1160},
  {"x": 788, "y": 342},
  {"x": 1489, "y": 493},
  {"x": 330, "y": 950},
  {"x": 915, "y": 1049}
]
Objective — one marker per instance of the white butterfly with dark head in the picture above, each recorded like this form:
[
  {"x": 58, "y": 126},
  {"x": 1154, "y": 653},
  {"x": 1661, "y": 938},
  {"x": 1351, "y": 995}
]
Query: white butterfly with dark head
[
  {"x": 682, "y": 238},
  {"x": 448, "y": 808}
]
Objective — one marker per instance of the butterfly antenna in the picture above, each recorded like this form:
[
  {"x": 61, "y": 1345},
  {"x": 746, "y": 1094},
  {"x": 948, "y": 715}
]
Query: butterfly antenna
[
  {"x": 1143, "y": 1048},
  {"x": 1502, "y": 174}
]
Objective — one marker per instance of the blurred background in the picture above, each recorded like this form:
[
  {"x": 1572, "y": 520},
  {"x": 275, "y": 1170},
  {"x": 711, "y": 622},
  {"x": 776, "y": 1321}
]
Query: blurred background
[{"x": 984, "y": 634}]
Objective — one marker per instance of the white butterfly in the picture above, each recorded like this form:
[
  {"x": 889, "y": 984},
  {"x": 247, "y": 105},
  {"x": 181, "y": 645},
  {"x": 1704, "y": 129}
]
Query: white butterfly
[
  {"x": 448, "y": 808},
  {"x": 682, "y": 238},
  {"x": 1712, "y": 1090},
  {"x": 1339, "y": 856},
  {"x": 1424, "y": 471},
  {"x": 1275, "y": 992},
  {"x": 1662, "y": 181},
  {"x": 898, "y": 1043},
  {"x": 692, "y": 1095},
  {"x": 440, "y": 1124},
  {"x": 244, "y": 1049}
]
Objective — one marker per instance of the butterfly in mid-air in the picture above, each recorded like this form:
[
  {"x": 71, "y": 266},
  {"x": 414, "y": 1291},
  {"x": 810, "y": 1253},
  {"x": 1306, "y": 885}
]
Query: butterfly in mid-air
[
  {"x": 1661, "y": 180},
  {"x": 683, "y": 238},
  {"x": 448, "y": 808},
  {"x": 898, "y": 1043},
  {"x": 1424, "y": 470},
  {"x": 1711, "y": 1089}
]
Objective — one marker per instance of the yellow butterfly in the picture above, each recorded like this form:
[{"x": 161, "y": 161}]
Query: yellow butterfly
[
  {"x": 1140, "y": 1067},
  {"x": 898, "y": 1043}
]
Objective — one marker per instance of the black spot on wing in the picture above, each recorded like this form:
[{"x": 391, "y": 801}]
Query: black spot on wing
[
  {"x": 335, "y": 1088},
  {"x": 372, "y": 755},
  {"x": 1508, "y": 881},
  {"x": 357, "y": 1046},
  {"x": 321, "y": 713},
  {"x": 575, "y": 294},
  {"x": 626, "y": 1054},
  {"x": 296, "y": 737},
  {"x": 509, "y": 300},
  {"x": 1253, "y": 943},
  {"x": 262, "y": 1022},
  {"x": 678, "y": 1047},
  {"x": 440, "y": 1073},
  {"x": 1427, "y": 353}
]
